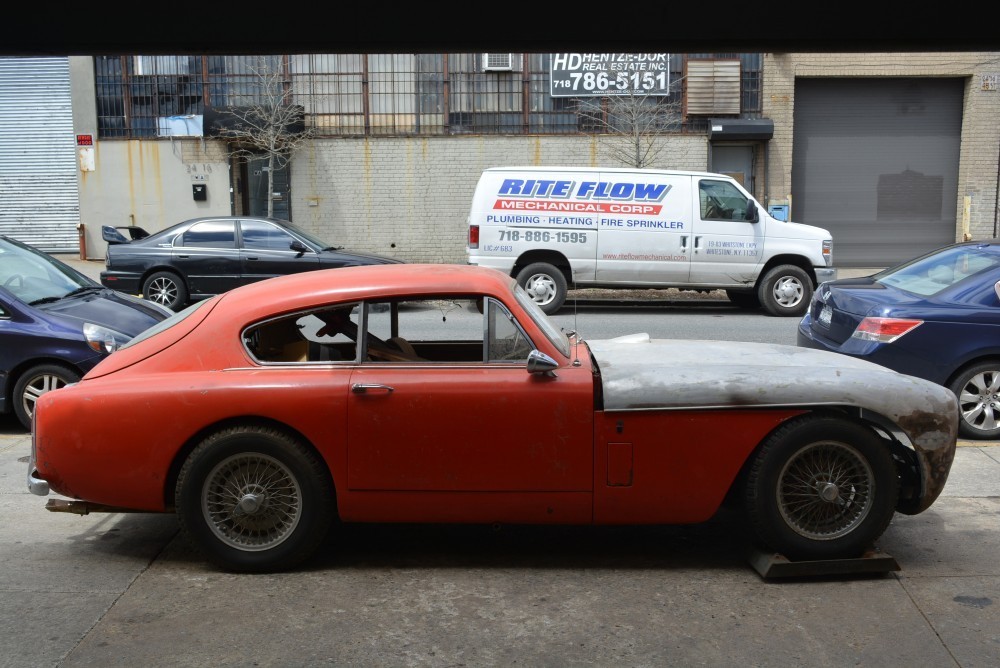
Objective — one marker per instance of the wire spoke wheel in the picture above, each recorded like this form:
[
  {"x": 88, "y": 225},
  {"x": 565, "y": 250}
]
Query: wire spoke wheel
[
  {"x": 252, "y": 501},
  {"x": 825, "y": 491}
]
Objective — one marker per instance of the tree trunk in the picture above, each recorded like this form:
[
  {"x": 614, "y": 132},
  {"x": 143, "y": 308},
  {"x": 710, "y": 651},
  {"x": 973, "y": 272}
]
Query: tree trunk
[{"x": 270, "y": 185}]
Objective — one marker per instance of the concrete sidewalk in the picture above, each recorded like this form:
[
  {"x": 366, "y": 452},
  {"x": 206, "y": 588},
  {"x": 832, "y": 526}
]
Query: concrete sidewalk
[{"x": 126, "y": 589}]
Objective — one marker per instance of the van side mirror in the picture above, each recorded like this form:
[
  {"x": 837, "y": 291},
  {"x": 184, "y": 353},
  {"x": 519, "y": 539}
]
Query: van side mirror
[{"x": 751, "y": 214}]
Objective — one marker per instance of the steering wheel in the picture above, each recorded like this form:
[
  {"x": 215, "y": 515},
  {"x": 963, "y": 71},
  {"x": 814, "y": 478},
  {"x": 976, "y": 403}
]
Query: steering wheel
[{"x": 14, "y": 278}]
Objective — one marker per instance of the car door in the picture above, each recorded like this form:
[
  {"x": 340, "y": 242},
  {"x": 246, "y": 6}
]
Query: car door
[
  {"x": 207, "y": 257},
  {"x": 265, "y": 252},
  {"x": 728, "y": 248},
  {"x": 479, "y": 424}
]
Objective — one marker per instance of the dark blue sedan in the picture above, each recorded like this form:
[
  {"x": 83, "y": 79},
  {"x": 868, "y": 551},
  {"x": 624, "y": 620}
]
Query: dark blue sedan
[
  {"x": 56, "y": 324},
  {"x": 935, "y": 317}
]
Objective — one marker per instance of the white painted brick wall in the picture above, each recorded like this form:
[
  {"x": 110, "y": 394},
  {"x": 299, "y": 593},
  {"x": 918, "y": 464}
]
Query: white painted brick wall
[{"x": 410, "y": 198}]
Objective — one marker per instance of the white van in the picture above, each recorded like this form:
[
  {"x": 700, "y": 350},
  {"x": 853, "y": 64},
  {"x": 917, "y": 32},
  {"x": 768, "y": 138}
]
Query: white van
[{"x": 586, "y": 227}]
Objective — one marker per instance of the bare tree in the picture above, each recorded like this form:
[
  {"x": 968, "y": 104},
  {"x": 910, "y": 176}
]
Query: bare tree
[
  {"x": 267, "y": 124},
  {"x": 628, "y": 125}
]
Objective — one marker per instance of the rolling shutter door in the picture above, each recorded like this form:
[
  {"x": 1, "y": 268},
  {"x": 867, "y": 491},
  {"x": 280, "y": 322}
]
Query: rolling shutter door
[
  {"x": 39, "y": 195},
  {"x": 875, "y": 162}
]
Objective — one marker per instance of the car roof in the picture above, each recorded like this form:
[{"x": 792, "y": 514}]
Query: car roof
[
  {"x": 608, "y": 170},
  {"x": 286, "y": 293},
  {"x": 191, "y": 221}
]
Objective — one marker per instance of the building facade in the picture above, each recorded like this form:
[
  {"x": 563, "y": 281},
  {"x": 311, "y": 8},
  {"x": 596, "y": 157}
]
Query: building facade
[{"x": 895, "y": 154}]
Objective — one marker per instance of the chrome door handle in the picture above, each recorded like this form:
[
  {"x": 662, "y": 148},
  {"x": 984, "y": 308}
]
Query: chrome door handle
[{"x": 362, "y": 388}]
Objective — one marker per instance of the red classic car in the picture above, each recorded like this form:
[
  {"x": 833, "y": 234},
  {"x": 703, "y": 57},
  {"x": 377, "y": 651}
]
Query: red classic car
[{"x": 442, "y": 393}]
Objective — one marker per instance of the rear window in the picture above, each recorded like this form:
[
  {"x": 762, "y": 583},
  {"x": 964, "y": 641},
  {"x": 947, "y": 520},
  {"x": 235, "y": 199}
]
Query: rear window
[
  {"x": 167, "y": 323},
  {"x": 938, "y": 271}
]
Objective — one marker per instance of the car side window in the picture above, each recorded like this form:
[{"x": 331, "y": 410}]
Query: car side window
[
  {"x": 459, "y": 329},
  {"x": 435, "y": 330},
  {"x": 210, "y": 234},
  {"x": 507, "y": 341},
  {"x": 260, "y": 235},
  {"x": 322, "y": 335}
]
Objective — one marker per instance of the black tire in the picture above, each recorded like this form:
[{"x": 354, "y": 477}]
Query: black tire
[
  {"x": 35, "y": 382},
  {"x": 546, "y": 285},
  {"x": 821, "y": 487},
  {"x": 743, "y": 299},
  {"x": 254, "y": 500},
  {"x": 785, "y": 291},
  {"x": 978, "y": 392},
  {"x": 167, "y": 289}
]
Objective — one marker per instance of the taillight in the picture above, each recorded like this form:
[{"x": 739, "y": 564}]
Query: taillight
[
  {"x": 473, "y": 236},
  {"x": 884, "y": 330}
]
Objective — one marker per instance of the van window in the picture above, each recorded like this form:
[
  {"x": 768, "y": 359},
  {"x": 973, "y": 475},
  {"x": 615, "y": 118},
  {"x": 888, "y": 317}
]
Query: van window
[{"x": 721, "y": 201}]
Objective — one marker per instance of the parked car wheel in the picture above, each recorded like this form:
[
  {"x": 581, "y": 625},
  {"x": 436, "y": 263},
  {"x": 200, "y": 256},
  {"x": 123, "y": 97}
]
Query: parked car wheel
[
  {"x": 546, "y": 285},
  {"x": 785, "y": 291},
  {"x": 743, "y": 299},
  {"x": 821, "y": 488},
  {"x": 35, "y": 382},
  {"x": 253, "y": 499},
  {"x": 978, "y": 392},
  {"x": 166, "y": 288}
]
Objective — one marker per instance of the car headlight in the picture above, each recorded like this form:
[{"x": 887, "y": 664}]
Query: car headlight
[{"x": 103, "y": 340}]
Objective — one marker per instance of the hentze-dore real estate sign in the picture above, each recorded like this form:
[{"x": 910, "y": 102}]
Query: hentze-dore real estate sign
[{"x": 583, "y": 74}]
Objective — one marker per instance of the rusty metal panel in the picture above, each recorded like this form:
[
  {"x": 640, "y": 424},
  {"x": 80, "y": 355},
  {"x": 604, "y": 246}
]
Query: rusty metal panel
[{"x": 712, "y": 87}]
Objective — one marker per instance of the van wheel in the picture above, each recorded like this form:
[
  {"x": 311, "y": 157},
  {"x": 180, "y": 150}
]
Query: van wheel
[
  {"x": 545, "y": 284},
  {"x": 785, "y": 291}
]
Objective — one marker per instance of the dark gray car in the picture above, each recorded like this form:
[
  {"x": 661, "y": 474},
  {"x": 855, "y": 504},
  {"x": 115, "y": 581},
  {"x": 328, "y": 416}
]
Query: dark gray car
[{"x": 203, "y": 257}]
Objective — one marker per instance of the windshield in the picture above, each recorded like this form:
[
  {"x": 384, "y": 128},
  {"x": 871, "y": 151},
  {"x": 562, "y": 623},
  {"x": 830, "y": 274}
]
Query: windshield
[
  {"x": 549, "y": 328},
  {"x": 34, "y": 277},
  {"x": 311, "y": 238},
  {"x": 168, "y": 322},
  {"x": 937, "y": 271}
]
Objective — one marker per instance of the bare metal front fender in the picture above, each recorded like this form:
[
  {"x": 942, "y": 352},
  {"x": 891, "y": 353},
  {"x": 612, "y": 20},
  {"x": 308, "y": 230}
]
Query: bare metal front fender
[{"x": 639, "y": 373}]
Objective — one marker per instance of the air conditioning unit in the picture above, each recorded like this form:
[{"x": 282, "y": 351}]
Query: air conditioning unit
[{"x": 498, "y": 62}]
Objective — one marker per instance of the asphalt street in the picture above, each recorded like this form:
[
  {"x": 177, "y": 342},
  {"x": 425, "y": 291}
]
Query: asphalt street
[{"x": 126, "y": 589}]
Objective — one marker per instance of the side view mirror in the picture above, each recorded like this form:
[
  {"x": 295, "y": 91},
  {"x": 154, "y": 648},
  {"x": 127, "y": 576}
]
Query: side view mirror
[
  {"x": 298, "y": 246},
  {"x": 539, "y": 362},
  {"x": 996, "y": 289},
  {"x": 751, "y": 214}
]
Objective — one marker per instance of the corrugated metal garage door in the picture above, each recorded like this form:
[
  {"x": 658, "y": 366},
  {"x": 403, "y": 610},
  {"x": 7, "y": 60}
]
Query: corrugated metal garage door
[
  {"x": 875, "y": 162},
  {"x": 39, "y": 196}
]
